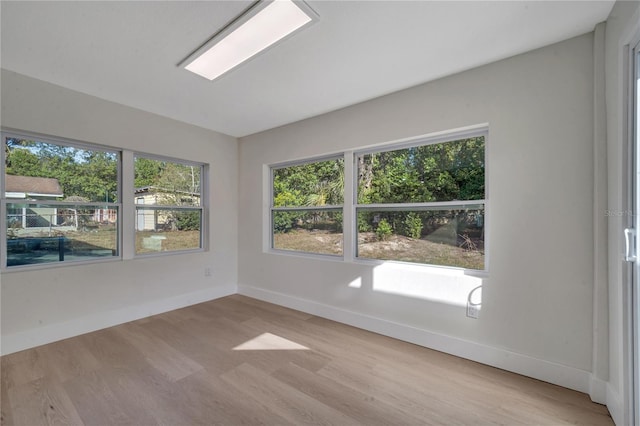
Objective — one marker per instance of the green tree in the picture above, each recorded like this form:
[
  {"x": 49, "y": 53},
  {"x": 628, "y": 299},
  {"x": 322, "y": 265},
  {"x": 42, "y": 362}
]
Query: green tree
[
  {"x": 91, "y": 175},
  {"x": 384, "y": 230},
  {"x": 413, "y": 225},
  {"x": 147, "y": 172}
]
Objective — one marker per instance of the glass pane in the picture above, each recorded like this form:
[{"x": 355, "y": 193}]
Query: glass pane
[
  {"x": 167, "y": 230},
  {"x": 436, "y": 237},
  {"x": 45, "y": 233},
  {"x": 310, "y": 231},
  {"x": 37, "y": 170},
  {"x": 438, "y": 172},
  {"x": 166, "y": 183},
  {"x": 313, "y": 184}
]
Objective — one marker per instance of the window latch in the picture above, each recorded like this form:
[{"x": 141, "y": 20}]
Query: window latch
[{"x": 630, "y": 254}]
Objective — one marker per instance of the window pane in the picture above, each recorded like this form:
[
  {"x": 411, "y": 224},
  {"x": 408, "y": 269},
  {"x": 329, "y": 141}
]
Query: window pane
[
  {"x": 45, "y": 233},
  {"x": 319, "y": 183},
  {"x": 167, "y": 183},
  {"x": 436, "y": 237},
  {"x": 37, "y": 170},
  {"x": 311, "y": 231},
  {"x": 438, "y": 172},
  {"x": 167, "y": 229}
]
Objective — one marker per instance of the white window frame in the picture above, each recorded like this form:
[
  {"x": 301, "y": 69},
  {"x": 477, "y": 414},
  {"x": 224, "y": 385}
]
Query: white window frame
[
  {"x": 273, "y": 209},
  {"x": 126, "y": 205},
  {"x": 350, "y": 205},
  {"x": 157, "y": 207},
  {"x": 422, "y": 206},
  {"x": 18, "y": 134}
]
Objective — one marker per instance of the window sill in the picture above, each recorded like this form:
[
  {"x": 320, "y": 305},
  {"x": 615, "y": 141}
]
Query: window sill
[{"x": 436, "y": 269}]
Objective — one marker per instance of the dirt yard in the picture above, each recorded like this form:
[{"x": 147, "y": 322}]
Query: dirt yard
[{"x": 397, "y": 247}]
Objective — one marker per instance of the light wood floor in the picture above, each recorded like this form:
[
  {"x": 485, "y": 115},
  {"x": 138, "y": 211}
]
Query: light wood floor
[{"x": 240, "y": 361}]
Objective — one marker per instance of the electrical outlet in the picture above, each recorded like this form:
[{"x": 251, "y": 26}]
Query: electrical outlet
[
  {"x": 207, "y": 272},
  {"x": 473, "y": 311}
]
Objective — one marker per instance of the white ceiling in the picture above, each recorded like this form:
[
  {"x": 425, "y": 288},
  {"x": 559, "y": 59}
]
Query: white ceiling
[{"x": 127, "y": 52}]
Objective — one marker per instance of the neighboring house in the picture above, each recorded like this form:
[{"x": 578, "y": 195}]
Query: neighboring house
[
  {"x": 155, "y": 220},
  {"x": 30, "y": 188}
]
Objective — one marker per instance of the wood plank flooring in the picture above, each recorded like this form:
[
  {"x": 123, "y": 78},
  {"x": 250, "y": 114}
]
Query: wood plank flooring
[{"x": 239, "y": 361}]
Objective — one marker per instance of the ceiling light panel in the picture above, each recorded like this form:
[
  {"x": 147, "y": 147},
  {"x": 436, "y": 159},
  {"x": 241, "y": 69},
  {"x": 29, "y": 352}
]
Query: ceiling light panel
[{"x": 259, "y": 28}]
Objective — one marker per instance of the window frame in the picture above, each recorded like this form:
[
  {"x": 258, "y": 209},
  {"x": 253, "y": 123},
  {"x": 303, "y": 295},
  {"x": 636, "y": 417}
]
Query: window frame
[
  {"x": 328, "y": 207},
  {"x": 126, "y": 208},
  {"x": 156, "y": 207},
  {"x": 443, "y": 138},
  {"x": 351, "y": 206},
  {"x": 4, "y": 201}
]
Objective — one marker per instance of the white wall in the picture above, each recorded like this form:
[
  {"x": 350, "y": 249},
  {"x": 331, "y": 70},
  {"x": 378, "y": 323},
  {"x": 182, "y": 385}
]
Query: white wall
[
  {"x": 536, "y": 316},
  {"x": 46, "y": 305},
  {"x": 621, "y": 24}
]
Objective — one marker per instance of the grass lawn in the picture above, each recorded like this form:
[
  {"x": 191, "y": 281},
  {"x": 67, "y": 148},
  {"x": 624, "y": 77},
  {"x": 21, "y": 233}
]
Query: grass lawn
[
  {"x": 105, "y": 238},
  {"x": 174, "y": 240}
]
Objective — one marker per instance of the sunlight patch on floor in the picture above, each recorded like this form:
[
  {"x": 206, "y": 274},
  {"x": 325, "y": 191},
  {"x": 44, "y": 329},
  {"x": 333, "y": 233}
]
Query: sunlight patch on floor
[{"x": 269, "y": 342}]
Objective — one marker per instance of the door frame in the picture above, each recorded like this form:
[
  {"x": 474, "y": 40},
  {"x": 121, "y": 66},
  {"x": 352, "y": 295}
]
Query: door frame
[
  {"x": 634, "y": 133},
  {"x": 631, "y": 171}
]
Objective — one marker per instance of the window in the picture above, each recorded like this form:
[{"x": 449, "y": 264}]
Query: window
[
  {"x": 420, "y": 202},
  {"x": 61, "y": 201},
  {"x": 169, "y": 213},
  {"x": 423, "y": 203},
  {"x": 306, "y": 207}
]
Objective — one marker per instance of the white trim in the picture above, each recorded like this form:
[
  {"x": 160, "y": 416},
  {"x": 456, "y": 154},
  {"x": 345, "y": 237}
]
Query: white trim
[
  {"x": 127, "y": 221},
  {"x": 597, "y": 389},
  {"x": 304, "y": 161},
  {"x": 430, "y": 139},
  {"x": 138, "y": 154},
  {"x": 428, "y": 205},
  {"x": 626, "y": 405},
  {"x": 307, "y": 254},
  {"x": 600, "y": 346},
  {"x": 615, "y": 405},
  {"x": 56, "y": 140},
  {"x": 50, "y": 265},
  {"x": 307, "y": 208},
  {"x": 62, "y": 204},
  {"x": 558, "y": 374},
  {"x": 350, "y": 209},
  {"x": 349, "y": 230},
  {"x": 267, "y": 196},
  {"x": 63, "y": 330}
]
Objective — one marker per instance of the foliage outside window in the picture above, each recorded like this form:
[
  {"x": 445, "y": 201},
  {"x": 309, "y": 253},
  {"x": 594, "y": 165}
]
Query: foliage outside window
[
  {"x": 168, "y": 202},
  {"x": 306, "y": 210},
  {"x": 61, "y": 202},
  {"x": 423, "y": 204}
]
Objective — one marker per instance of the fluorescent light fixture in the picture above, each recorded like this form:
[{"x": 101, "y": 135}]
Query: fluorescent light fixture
[{"x": 260, "y": 27}]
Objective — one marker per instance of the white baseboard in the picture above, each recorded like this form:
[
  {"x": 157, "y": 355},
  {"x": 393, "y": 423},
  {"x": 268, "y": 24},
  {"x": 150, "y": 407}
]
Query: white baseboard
[
  {"x": 58, "y": 331},
  {"x": 616, "y": 406},
  {"x": 597, "y": 390},
  {"x": 550, "y": 372}
]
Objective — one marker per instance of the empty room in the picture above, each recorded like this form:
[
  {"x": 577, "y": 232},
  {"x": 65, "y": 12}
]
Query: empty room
[{"x": 320, "y": 212}]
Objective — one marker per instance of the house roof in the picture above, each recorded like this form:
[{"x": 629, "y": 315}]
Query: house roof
[{"x": 23, "y": 186}]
